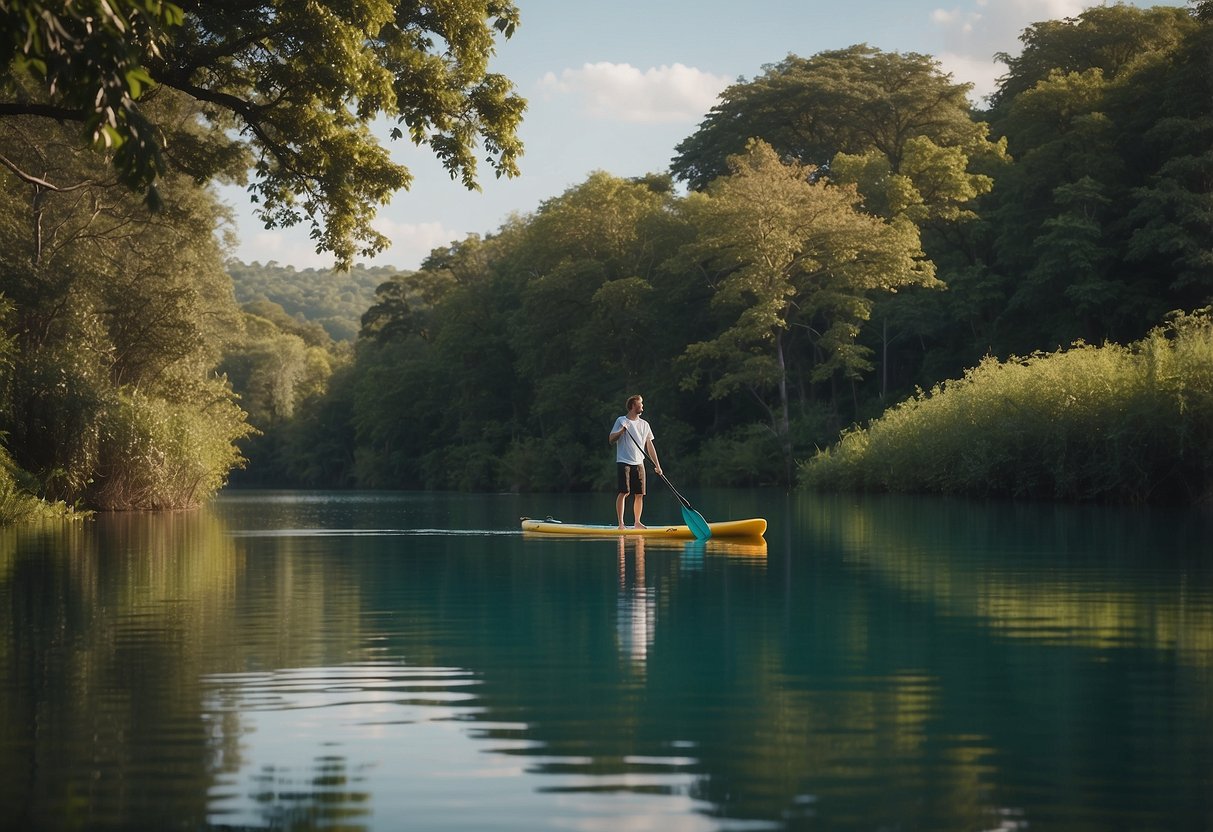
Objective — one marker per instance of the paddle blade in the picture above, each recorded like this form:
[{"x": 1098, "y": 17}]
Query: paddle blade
[{"x": 695, "y": 521}]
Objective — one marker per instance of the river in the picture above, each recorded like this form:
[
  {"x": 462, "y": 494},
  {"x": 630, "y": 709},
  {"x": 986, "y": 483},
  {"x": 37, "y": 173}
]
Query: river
[{"x": 384, "y": 661}]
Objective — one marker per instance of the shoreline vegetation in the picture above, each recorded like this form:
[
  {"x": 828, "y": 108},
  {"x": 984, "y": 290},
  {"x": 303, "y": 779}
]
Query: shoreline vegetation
[
  {"x": 840, "y": 233},
  {"x": 1091, "y": 423},
  {"x": 19, "y": 503}
]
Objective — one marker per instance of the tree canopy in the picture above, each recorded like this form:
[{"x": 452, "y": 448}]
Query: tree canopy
[
  {"x": 108, "y": 395},
  {"x": 855, "y": 101},
  {"x": 290, "y": 90}
]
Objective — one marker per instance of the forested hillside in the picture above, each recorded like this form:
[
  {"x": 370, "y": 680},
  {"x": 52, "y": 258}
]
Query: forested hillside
[{"x": 333, "y": 299}]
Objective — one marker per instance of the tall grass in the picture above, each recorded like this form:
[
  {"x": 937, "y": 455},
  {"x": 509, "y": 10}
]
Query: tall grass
[{"x": 1111, "y": 423}]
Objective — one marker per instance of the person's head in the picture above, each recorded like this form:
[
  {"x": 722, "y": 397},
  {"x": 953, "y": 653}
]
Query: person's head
[{"x": 636, "y": 402}]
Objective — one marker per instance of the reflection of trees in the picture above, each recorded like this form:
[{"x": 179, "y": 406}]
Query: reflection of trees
[
  {"x": 749, "y": 702},
  {"x": 820, "y": 688},
  {"x": 323, "y": 800},
  {"x": 108, "y": 626},
  {"x": 988, "y": 565},
  {"x": 1070, "y": 636}
]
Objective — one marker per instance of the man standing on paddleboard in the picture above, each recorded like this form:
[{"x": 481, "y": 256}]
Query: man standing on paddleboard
[{"x": 629, "y": 459}]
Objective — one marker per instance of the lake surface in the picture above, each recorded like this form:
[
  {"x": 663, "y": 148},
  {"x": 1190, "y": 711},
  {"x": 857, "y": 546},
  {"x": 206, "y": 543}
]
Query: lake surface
[{"x": 410, "y": 661}]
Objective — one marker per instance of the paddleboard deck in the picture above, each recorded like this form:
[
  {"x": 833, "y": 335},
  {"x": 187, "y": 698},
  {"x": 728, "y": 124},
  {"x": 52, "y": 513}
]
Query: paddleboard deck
[{"x": 750, "y": 528}]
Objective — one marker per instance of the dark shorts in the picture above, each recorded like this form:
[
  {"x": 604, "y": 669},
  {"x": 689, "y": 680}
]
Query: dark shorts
[{"x": 630, "y": 477}]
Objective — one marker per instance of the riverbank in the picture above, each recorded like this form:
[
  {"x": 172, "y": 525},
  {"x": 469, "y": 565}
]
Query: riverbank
[{"x": 1111, "y": 423}]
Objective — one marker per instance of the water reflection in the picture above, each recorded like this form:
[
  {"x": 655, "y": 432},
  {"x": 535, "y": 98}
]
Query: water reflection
[
  {"x": 413, "y": 661},
  {"x": 1049, "y": 574},
  {"x": 331, "y": 764},
  {"x": 637, "y": 605}
]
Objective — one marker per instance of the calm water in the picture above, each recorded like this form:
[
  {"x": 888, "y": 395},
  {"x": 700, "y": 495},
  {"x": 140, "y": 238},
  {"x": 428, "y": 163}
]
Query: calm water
[{"x": 407, "y": 661}]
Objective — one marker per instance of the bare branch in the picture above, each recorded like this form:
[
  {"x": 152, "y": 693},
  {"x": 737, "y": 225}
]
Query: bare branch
[{"x": 38, "y": 181}]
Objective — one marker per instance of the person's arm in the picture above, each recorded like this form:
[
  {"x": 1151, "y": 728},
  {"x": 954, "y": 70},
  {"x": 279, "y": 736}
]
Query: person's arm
[
  {"x": 615, "y": 436},
  {"x": 652, "y": 451}
]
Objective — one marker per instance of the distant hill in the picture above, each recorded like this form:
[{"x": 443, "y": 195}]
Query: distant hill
[{"x": 334, "y": 300}]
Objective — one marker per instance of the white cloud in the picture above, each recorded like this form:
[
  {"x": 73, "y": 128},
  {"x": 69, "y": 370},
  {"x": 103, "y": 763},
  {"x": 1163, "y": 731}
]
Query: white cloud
[
  {"x": 289, "y": 247},
  {"x": 621, "y": 92},
  {"x": 982, "y": 73},
  {"x": 412, "y": 242},
  {"x": 992, "y": 27},
  {"x": 973, "y": 32}
]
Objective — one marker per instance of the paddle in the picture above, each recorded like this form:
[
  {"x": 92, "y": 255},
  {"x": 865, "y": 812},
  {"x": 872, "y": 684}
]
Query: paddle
[{"x": 694, "y": 520}]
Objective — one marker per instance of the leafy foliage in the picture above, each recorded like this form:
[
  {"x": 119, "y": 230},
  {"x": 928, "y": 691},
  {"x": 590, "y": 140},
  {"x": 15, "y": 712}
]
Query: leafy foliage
[
  {"x": 1110, "y": 145},
  {"x": 793, "y": 291},
  {"x": 1111, "y": 39},
  {"x": 18, "y": 500},
  {"x": 110, "y": 311},
  {"x": 1089, "y": 423},
  {"x": 290, "y": 89},
  {"x": 91, "y": 56},
  {"x": 794, "y": 257},
  {"x": 154, "y": 453},
  {"x": 853, "y": 101},
  {"x": 325, "y": 297}
]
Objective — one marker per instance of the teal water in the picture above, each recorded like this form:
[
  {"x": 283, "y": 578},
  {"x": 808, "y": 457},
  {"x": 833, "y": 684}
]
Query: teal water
[{"x": 409, "y": 661}]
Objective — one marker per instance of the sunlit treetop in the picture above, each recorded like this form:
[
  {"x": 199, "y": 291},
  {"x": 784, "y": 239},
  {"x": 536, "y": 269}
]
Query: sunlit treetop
[{"x": 296, "y": 85}]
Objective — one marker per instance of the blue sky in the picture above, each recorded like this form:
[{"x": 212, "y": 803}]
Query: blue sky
[{"x": 616, "y": 86}]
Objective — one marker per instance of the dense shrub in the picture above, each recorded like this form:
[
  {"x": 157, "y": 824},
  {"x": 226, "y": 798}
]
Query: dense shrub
[
  {"x": 1111, "y": 423},
  {"x": 18, "y": 503},
  {"x": 158, "y": 454}
]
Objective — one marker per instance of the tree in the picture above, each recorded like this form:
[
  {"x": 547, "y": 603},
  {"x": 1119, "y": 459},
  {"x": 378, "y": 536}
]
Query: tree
[
  {"x": 91, "y": 56},
  {"x": 293, "y": 88},
  {"x": 117, "y": 323},
  {"x": 792, "y": 258},
  {"x": 1172, "y": 218},
  {"x": 1112, "y": 39},
  {"x": 855, "y": 101},
  {"x": 1108, "y": 203},
  {"x": 895, "y": 126}
]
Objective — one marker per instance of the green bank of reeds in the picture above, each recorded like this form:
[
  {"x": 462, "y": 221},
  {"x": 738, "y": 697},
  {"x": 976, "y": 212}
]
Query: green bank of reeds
[{"x": 1110, "y": 423}]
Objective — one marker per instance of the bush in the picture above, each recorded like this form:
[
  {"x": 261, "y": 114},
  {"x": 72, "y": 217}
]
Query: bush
[
  {"x": 1111, "y": 423},
  {"x": 18, "y": 503},
  {"x": 750, "y": 456},
  {"x": 157, "y": 454}
]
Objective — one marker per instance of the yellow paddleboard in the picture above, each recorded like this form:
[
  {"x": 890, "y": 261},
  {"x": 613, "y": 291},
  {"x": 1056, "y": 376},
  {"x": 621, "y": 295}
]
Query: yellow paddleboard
[{"x": 751, "y": 528}]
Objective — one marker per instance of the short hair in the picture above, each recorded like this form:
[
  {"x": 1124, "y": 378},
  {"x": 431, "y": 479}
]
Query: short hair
[{"x": 631, "y": 401}]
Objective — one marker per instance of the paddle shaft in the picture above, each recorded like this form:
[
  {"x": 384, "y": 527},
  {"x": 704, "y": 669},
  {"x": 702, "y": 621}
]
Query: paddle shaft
[{"x": 681, "y": 498}]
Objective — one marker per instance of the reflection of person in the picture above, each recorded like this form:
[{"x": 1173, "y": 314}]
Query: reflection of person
[
  {"x": 636, "y": 607},
  {"x": 629, "y": 461}
]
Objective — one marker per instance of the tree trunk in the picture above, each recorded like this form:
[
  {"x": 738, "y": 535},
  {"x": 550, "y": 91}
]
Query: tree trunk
[{"x": 785, "y": 429}]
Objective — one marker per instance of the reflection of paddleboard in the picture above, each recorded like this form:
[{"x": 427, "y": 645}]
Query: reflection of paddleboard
[{"x": 754, "y": 527}]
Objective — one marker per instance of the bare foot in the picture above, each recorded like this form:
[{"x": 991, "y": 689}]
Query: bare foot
[{"x": 640, "y": 526}]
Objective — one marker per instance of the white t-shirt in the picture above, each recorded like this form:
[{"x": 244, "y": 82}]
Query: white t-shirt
[{"x": 625, "y": 449}]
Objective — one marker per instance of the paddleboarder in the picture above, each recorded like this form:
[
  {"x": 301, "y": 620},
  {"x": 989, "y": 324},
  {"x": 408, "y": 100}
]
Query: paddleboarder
[{"x": 629, "y": 460}]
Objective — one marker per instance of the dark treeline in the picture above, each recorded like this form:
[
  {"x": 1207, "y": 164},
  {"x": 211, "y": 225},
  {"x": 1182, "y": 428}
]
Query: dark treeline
[{"x": 853, "y": 231}]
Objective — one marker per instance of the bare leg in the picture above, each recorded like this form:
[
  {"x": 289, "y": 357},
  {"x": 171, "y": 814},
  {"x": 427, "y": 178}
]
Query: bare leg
[
  {"x": 638, "y": 509},
  {"x": 619, "y": 502}
]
